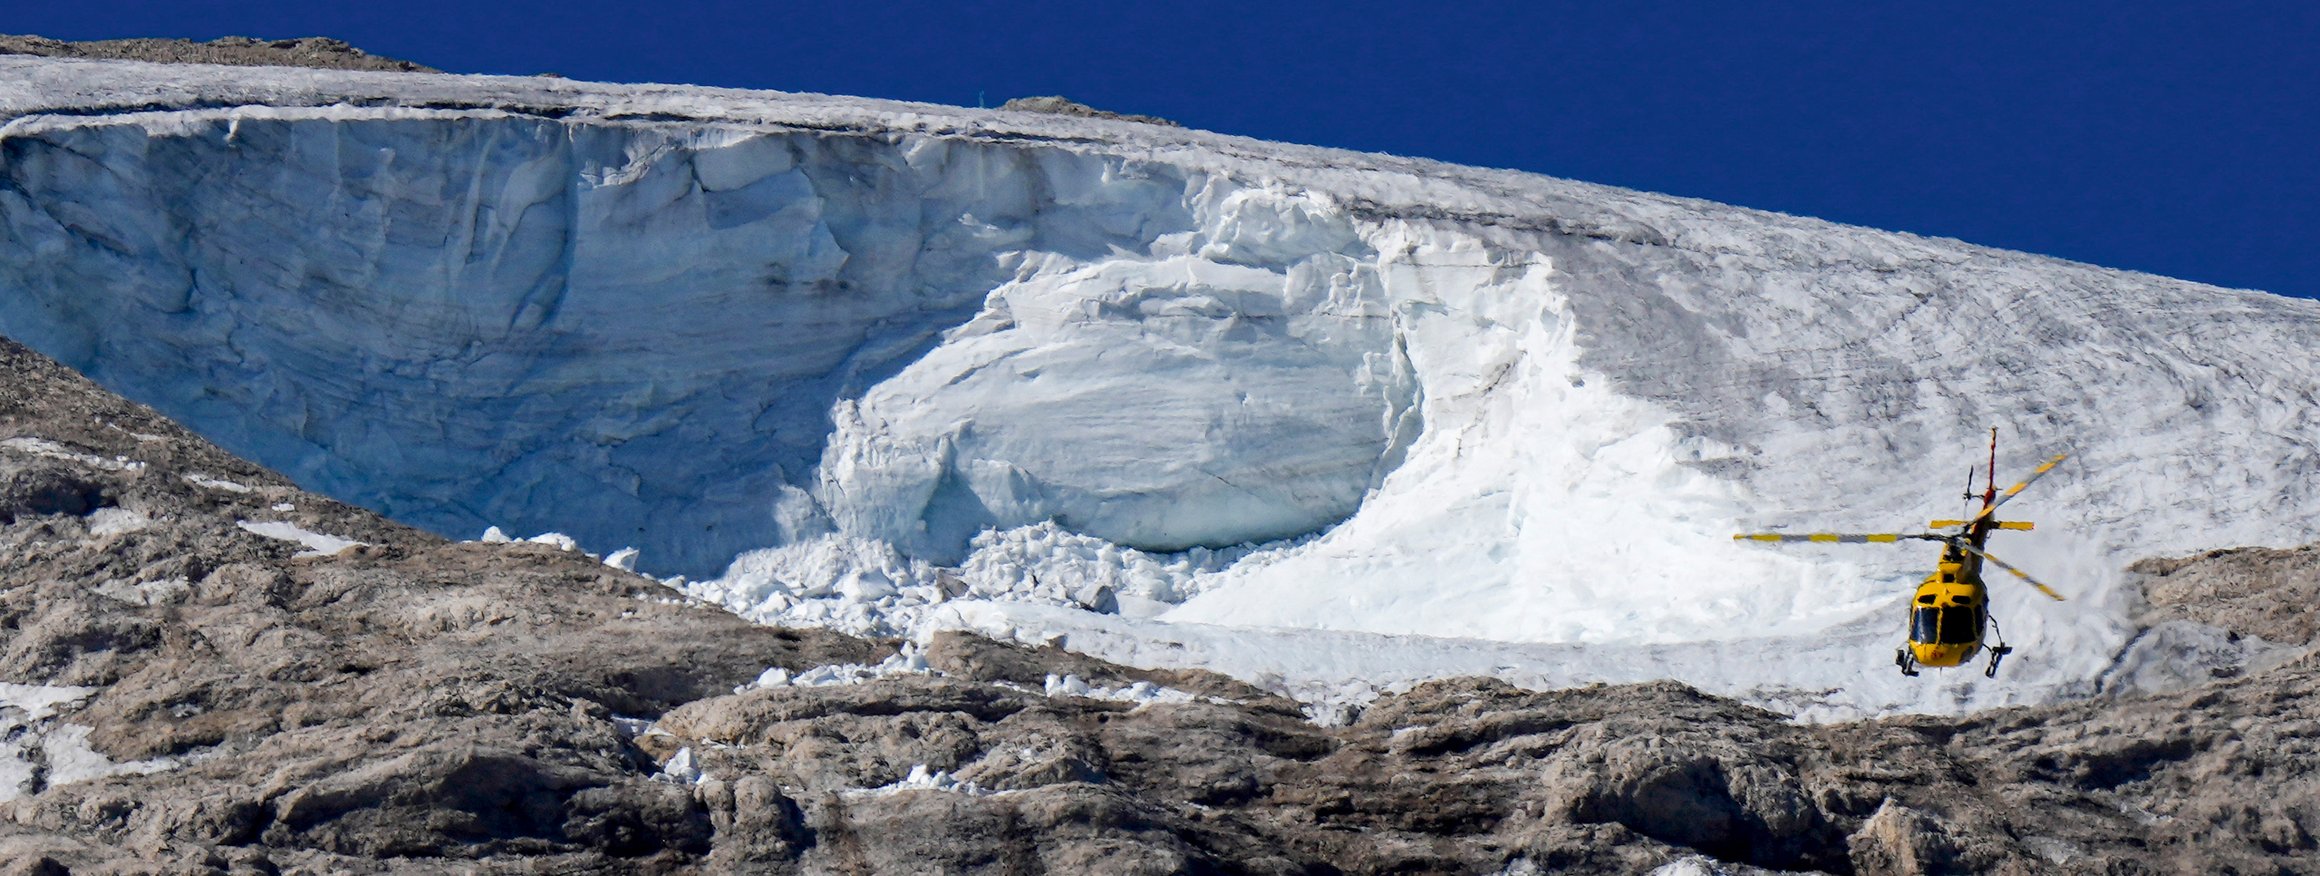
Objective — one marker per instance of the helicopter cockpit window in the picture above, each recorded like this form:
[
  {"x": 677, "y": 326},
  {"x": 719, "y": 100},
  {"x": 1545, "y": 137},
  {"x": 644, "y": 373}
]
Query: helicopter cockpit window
[
  {"x": 1945, "y": 626},
  {"x": 1959, "y": 625}
]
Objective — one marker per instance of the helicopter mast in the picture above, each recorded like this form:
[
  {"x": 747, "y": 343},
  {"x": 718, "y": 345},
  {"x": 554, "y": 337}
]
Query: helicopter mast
[
  {"x": 1979, "y": 531},
  {"x": 1990, "y": 493}
]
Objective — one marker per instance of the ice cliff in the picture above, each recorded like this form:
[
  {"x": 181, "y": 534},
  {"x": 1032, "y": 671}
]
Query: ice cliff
[
  {"x": 700, "y": 339},
  {"x": 919, "y": 352}
]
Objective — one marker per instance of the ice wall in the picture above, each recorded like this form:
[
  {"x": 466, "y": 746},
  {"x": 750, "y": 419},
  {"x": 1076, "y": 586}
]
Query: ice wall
[{"x": 649, "y": 335}]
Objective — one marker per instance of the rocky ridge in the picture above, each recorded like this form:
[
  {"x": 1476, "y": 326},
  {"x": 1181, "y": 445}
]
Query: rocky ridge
[
  {"x": 1064, "y": 106},
  {"x": 322, "y": 52}
]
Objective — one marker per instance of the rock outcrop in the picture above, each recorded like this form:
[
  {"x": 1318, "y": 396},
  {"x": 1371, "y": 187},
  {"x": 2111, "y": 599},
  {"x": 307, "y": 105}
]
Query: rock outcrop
[
  {"x": 2263, "y": 592},
  {"x": 1063, "y": 106},
  {"x": 322, "y": 52}
]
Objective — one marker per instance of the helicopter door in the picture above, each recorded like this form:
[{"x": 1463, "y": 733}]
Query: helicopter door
[{"x": 1925, "y": 625}]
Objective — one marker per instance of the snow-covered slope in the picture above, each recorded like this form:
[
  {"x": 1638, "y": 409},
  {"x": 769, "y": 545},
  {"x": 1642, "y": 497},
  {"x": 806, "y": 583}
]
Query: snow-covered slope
[{"x": 945, "y": 366}]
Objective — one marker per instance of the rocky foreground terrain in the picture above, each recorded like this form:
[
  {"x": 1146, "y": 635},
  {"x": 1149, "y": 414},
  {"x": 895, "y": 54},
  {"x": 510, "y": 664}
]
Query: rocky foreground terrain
[{"x": 203, "y": 675}]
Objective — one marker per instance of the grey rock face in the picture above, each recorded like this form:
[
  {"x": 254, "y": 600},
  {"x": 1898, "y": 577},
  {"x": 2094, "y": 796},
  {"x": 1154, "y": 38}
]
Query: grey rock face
[
  {"x": 405, "y": 697},
  {"x": 1063, "y": 106},
  {"x": 31, "y": 488},
  {"x": 244, "y": 702},
  {"x": 2261, "y": 592}
]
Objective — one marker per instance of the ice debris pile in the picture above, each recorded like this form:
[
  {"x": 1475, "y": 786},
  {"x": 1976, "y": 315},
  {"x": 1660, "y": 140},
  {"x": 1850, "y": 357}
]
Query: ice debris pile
[
  {"x": 869, "y": 587},
  {"x": 870, "y": 365}
]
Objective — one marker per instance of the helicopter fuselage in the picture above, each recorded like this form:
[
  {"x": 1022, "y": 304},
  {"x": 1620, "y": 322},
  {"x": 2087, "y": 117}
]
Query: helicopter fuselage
[{"x": 1951, "y": 610}]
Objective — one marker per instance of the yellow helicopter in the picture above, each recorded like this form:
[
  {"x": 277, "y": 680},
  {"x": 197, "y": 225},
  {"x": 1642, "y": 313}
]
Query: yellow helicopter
[{"x": 1951, "y": 609}]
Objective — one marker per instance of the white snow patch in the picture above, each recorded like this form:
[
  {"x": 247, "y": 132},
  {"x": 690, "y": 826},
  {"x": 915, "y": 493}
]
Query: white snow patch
[
  {"x": 40, "y": 701},
  {"x": 623, "y": 559},
  {"x": 38, "y": 750},
  {"x": 2055, "y": 850},
  {"x": 207, "y": 482},
  {"x": 53, "y": 450},
  {"x": 681, "y": 768},
  {"x": 1691, "y": 865},
  {"x": 317, "y": 544},
  {"x": 114, "y": 521},
  {"x": 923, "y": 779},
  {"x": 633, "y": 727},
  {"x": 69, "y": 758},
  {"x": 908, "y": 661},
  {"x": 557, "y": 540},
  {"x": 161, "y": 592},
  {"x": 1142, "y": 693}
]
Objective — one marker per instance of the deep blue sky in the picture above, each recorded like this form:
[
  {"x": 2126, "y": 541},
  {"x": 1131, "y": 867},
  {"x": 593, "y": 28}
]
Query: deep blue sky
[{"x": 2176, "y": 138}]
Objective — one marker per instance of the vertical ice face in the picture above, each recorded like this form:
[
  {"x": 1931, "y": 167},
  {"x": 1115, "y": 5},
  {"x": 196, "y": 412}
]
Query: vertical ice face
[{"x": 699, "y": 340}]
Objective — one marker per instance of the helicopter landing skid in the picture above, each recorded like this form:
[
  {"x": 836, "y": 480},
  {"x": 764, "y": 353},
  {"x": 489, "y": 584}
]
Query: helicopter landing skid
[
  {"x": 1905, "y": 660},
  {"x": 1998, "y": 651}
]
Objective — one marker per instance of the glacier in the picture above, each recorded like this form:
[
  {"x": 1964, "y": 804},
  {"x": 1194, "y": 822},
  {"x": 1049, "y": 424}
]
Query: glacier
[
  {"x": 1335, "y": 420},
  {"x": 653, "y": 335}
]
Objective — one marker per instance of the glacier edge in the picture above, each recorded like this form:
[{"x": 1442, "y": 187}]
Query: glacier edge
[{"x": 1481, "y": 404}]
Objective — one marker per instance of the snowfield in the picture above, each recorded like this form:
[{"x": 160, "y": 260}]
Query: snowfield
[{"x": 1328, "y": 421}]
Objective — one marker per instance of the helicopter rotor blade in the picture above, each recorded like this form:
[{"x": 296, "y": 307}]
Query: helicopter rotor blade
[
  {"x": 1837, "y": 537},
  {"x": 2016, "y": 490},
  {"x": 2025, "y": 576}
]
